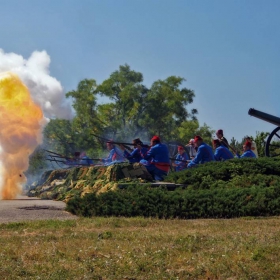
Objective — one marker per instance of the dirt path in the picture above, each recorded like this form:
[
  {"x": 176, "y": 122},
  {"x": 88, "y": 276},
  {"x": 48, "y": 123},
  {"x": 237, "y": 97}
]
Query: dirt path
[{"x": 25, "y": 208}]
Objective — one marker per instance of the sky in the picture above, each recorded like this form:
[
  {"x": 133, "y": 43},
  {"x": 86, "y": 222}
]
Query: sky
[{"x": 228, "y": 51}]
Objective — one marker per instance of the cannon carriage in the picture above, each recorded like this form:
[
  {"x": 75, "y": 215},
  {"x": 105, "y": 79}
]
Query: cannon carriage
[{"x": 272, "y": 146}]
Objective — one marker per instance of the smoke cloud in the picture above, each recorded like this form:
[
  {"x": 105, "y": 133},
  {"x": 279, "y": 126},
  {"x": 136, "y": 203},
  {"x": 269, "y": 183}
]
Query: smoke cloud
[
  {"x": 29, "y": 96},
  {"x": 21, "y": 122},
  {"x": 45, "y": 90}
]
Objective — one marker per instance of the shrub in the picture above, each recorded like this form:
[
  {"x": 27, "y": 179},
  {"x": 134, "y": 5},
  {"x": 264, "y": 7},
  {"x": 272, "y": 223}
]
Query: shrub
[{"x": 235, "y": 188}]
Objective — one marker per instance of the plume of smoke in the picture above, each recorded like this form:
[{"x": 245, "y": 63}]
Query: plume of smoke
[
  {"x": 45, "y": 90},
  {"x": 21, "y": 122}
]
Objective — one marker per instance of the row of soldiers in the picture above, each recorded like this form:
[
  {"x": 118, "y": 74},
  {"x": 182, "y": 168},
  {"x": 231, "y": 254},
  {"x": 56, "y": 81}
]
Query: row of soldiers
[{"x": 156, "y": 156}]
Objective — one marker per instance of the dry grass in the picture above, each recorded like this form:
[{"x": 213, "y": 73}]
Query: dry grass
[{"x": 138, "y": 248}]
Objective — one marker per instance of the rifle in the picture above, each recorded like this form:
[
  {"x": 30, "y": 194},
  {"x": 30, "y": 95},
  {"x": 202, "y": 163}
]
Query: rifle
[
  {"x": 180, "y": 160},
  {"x": 229, "y": 146},
  {"x": 126, "y": 145},
  {"x": 56, "y": 155}
]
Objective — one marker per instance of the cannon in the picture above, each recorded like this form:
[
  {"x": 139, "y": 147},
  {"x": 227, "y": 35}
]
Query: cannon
[{"x": 272, "y": 146}]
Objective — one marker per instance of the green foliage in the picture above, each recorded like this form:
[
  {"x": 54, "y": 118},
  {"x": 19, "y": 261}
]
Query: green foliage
[
  {"x": 235, "y": 188},
  {"x": 232, "y": 173},
  {"x": 181, "y": 203},
  {"x": 260, "y": 140},
  {"x": 127, "y": 115},
  {"x": 37, "y": 163}
]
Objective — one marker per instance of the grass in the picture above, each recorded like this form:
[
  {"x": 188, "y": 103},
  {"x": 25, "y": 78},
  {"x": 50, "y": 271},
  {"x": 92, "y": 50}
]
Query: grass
[{"x": 138, "y": 248}]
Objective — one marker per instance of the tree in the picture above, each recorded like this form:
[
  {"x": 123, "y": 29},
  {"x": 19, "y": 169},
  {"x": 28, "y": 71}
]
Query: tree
[
  {"x": 125, "y": 88},
  {"x": 260, "y": 140},
  {"x": 133, "y": 111},
  {"x": 166, "y": 108},
  {"x": 60, "y": 136},
  {"x": 87, "y": 120}
]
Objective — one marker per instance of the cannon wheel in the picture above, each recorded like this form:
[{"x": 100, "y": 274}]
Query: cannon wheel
[{"x": 272, "y": 146}]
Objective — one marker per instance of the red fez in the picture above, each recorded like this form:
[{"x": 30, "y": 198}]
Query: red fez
[
  {"x": 216, "y": 141},
  {"x": 180, "y": 148},
  {"x": 155, "y": 138},
  {"x": 197, "y": 138},
  {"x": 219, "y": 131},
  {"x": 248, "y": 144}
]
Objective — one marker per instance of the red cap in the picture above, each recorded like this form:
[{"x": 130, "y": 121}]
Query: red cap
[
  {"x": 180, "y": 148},
  {"x": 155, "y": 138},
  {"x": 197, "y": 138},
  {"x": 248, "y": 144},
  {"x": 110, "y": 141},
  {"x": 219, "y": 131}
]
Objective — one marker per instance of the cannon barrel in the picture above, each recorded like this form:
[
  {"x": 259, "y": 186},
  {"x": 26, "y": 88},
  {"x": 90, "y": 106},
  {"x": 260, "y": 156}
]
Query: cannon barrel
[{"x": 264, "y": 116}]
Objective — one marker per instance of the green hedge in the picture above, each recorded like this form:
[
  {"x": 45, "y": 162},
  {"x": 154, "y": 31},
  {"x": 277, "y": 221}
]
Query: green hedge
[
  {"x": 229, "y": 189},
  {"x": 181, "y": 203},
  {"x": 240, "y": 173}
]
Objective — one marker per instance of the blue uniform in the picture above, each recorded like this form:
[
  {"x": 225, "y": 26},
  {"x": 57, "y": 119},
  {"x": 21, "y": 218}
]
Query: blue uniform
[
  {"x": 247, "y": 154},
  {"x": 135, "y": 155},
  {"x": 113, "y": 157},
  {"x": 204, "y": 154},
  {"x": 85, "y": 160},
  {"x": 222, "y": 153},
  {"x": 157, "y": 161},
  {"x": 181, "y": 161}
]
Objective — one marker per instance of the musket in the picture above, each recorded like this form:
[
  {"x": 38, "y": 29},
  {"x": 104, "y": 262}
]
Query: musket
[
  {"x": 114, "y": 142},
  {"x": 62, "y": 161},
  {"x": 56, "y": 155},
  {"x": 66, "y": 163},
  {"x": 180, "y": 160},
  {"x": 228, "y": 146}
]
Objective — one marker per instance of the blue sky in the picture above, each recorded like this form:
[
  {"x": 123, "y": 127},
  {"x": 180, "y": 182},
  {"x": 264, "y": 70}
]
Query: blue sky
[{"x": 228, "y": 51}]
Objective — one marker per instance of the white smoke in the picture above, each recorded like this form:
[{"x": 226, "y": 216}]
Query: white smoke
[{"x": 45, "y": 90}]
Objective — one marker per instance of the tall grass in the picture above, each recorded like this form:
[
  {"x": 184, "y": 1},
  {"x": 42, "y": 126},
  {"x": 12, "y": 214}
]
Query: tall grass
[{"x": 138, "y": 248}]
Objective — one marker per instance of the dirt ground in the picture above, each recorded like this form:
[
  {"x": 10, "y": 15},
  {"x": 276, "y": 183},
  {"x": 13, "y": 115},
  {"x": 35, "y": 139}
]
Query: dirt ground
[{"x": 25, "y": 208}]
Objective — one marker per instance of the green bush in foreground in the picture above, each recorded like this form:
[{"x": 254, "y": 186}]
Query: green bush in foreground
[
  {"x": 239, "y": 173},
  {"x": 181, "y": 203},
  {"x": 229, "y": 189}
]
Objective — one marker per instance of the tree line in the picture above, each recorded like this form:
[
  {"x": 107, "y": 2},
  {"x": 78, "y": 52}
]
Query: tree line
[{"x": 131, "y": 110}]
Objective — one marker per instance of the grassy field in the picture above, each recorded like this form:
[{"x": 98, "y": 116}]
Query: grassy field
[{"x": 138, "y": 248}]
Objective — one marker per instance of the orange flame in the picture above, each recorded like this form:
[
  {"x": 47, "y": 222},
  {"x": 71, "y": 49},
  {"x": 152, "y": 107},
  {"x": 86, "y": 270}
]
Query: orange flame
[{"x": 20, "y": 133}]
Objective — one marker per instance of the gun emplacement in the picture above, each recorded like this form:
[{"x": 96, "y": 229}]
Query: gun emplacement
[{"x": 264, "y": 116}]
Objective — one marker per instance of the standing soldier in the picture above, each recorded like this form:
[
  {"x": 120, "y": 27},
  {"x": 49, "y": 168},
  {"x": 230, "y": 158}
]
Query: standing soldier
[{"x": 220, "y": 136}]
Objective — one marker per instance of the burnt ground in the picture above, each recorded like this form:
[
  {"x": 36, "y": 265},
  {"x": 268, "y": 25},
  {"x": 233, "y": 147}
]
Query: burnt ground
[{"x": 25, "y": 208}]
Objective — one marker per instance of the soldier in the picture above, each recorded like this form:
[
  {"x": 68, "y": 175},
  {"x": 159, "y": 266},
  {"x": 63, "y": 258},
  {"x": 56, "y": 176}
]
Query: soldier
[
  {"x": 192, "y": 149},
  {"x": 220, "y": 136},
  {"x": 157, "y": 159},
  {"x": 253, "y": 145},
  {"x": 114, "y": 156},
  {"x": 139, "y": 150},
  {"x": 182, "y": 159},
  {"x": 247, "y": 152},
  {"x": 85, "y": 160},
  {"x": 221, "y": 152},
  {"x": 204, "y": 152}
]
